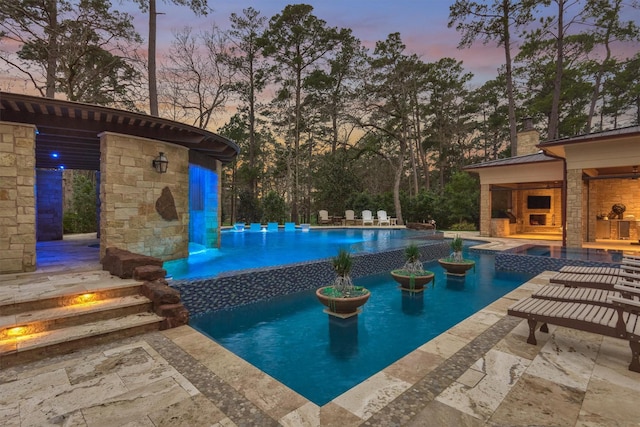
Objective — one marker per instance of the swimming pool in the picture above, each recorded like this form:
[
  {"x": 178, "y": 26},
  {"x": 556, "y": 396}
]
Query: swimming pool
[
  {"x": 561, "y": 252},
  {"x": 320, "y": 357},
  {"x": 247, "y": 250}
]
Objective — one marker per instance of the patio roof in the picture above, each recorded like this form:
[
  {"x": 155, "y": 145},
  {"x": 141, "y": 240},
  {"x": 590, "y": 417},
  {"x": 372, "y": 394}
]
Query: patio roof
[
  {"x": 511, "y": 161},
  {"x": 71, "y": 130}
]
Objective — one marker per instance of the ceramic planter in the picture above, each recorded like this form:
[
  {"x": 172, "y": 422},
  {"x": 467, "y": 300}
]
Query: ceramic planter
[
  {"x": 412, "y": 282},
  {"x": 342, "y": 307},
  {"x": 456, "y": 268}
]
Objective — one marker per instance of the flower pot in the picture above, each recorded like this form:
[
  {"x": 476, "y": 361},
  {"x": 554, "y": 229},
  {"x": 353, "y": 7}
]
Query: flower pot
[
  {"x": 344, "y": 306},
  {"x": 456, "y": 268},
  {"x": 412, "y": 282}
]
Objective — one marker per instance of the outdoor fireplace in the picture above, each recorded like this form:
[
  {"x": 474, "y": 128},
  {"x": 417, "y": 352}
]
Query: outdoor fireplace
[{"x": 537, "y": 219}]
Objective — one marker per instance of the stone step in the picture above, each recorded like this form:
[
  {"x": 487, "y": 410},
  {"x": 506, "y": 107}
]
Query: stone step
[
  {"x": 19, "y": 298},
  {"x": 23, "y": 349},
  {"x": 36, "y": 321}
]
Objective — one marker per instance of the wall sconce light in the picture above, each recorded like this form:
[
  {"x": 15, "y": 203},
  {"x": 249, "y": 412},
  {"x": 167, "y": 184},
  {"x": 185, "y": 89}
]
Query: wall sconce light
[{"x": 160, "y": 163}]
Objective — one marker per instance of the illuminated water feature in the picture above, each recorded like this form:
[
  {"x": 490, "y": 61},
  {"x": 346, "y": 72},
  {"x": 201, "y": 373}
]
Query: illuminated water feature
[{"x": 320, "y": 357}]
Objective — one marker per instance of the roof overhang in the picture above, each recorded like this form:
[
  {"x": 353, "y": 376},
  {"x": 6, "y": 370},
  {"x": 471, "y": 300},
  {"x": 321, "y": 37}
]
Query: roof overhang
[{"x": 71, "y": 130}]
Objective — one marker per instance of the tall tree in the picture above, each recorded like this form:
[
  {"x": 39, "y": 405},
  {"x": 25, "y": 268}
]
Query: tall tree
[
  {"x": 386, "y": 107},
  {"x": 245, "y": 58},
  {"x": 200, "y": 79},
  {"x": 496, "y": 21},
  {"x": 297, "y": 41},
  {"x": 606, "y": 29},
  {"x": 79, "y": 48},
  {"x": 199, "y": 7},
  {"x": 447, "y": 93}
]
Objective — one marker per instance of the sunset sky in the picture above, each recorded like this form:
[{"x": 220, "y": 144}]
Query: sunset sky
[{"x": 422, "y": 25}]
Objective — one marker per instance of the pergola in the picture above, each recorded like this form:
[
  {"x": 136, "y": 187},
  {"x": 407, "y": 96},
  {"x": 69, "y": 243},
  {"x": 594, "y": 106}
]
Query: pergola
[{"x": 71, "y": 129}]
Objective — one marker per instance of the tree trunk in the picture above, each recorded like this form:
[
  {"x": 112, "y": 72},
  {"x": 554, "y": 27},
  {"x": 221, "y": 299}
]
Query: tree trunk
[
  {"x": 513, "y": 131},
  {"x": 52, "y": 59},
  {"x": 153, "y": 85},
  {"x": 554, "y": 117}
]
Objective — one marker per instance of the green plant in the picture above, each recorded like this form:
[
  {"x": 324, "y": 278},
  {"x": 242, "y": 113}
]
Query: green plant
[
  {"x": 412, "y": 253},
  {"x": 82, "y": 215},
  {"x": 342, "y": 263},
  {"x": 413, "y": 265},
  {"x": 463, "y": 226},
  {"x": 457, "y": 244}
]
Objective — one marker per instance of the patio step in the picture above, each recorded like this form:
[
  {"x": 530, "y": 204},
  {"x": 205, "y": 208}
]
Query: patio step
[{"x": 54, "y": 321}]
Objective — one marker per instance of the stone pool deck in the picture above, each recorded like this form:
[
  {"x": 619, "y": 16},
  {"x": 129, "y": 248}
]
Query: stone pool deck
[{"x": 481, "y": 372}]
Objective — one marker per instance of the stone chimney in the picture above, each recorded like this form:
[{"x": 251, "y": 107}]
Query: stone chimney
[{"x": 528, "y": 138}]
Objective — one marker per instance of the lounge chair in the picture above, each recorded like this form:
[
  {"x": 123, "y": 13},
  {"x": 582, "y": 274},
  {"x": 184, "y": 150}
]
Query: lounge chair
[
  {"x": 620, "y": 321},
  {"x": 574, "y": 280},
  {"x": 323, "y": 217},
  {"x": 349, "y": 217},
  {"x": 289, "y": 226},
  {"x": 383, "y": 218},
  {"x": 272, "y": 226},
  {"x": 238, "y": 226},
  {"x": 611, "y": 271},
  {"x": 367, "y": 218},
  {"x": 586, "y": 295}
]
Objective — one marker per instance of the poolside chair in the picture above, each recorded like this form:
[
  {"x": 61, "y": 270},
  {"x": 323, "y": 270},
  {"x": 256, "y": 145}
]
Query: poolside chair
[
  {"x": 611, "y": 271},
  {"x": 289, "y": 226},
  {"x": 383, "y": 219},
  {"x": 238, "y": 226},
  {"x": 619, "y": 321},
  {"x": 602, "y": 281},
  {"x": 323, "y": 217},
  {"x": 367, "y": 218},
  {"x": 272, "y": 226},
  {"x": 349, "y": 217}
]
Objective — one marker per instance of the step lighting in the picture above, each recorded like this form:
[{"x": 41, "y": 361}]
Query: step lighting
[
  {"x": 17, "y": 331},
  {"x": 85, "y": 298}
]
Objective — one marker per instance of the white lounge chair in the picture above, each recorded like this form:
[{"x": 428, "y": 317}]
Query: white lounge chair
[
  {"x": 323, "y": 217},
  {"x": 349, "y": 217},
  {"x": 383, "y": 219},
  {"x": 367, "y": 218}
]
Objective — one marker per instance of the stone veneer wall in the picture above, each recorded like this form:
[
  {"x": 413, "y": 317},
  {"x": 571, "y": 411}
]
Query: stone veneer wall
[
  {"x": 485, "y": 210},
  {"x": 129, "y": 190},
  {"x": 49, "y": 196},
  {"x": 227, "y": 291},
  {"x": 17, "y": 198},
  {"x": 574, "y": 208},
  {"x": 603, "y": 194}
]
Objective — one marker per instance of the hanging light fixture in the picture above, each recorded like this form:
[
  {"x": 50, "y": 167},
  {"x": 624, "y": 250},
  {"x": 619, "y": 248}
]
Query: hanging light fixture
[{"x": 160, "y": 163}]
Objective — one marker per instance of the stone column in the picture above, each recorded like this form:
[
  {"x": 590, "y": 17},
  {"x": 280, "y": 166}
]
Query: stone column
[
  {"x": 574, "y": 208},
  {"x": 17, "y": 198},
  {"x": 485, "y": 210}
]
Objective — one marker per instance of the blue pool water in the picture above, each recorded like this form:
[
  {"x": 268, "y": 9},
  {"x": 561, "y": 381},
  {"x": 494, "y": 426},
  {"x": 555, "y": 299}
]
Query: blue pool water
[
  {"x": 560, "y": 252},
  {"x": 244, "y": 250},
  {"x": 321, "y": 357}
]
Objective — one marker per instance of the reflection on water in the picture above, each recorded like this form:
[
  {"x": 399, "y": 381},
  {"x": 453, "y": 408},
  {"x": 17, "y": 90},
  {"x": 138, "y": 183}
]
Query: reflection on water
[
  {"x": 343, "y": 337},
  {"x": 412, "y": 303}
]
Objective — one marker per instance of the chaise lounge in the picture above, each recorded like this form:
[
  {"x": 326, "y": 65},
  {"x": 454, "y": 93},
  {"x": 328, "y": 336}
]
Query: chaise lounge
[{"x": 620, "y": 320}]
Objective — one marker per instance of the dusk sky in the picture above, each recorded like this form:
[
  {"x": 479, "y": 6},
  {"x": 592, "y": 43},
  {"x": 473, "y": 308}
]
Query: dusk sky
[{"x": 422, "y": 25}]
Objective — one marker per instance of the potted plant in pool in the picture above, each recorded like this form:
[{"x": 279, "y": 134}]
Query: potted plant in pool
[
  {"x": 342, "y": 298},
  {"x": 455, "y": 264},
  {"x": 412, "y": 276}
]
